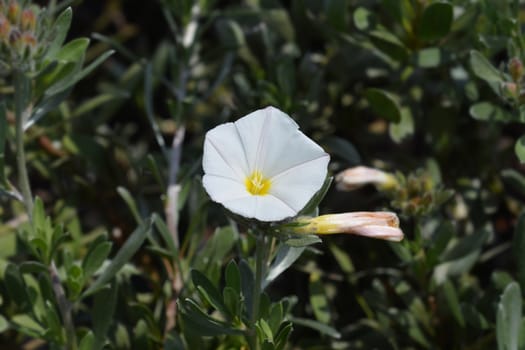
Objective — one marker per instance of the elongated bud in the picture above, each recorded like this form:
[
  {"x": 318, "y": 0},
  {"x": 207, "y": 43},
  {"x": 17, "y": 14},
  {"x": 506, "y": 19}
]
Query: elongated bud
[
  {"x": 381, "y": 225},
  {"x": 359, "y": 176},
  {"x": 13, "y": 11},
  {"x": 28, "y": 22},
  {"x": 516, "y": 69},
  {"x": 5, "y": 28}
]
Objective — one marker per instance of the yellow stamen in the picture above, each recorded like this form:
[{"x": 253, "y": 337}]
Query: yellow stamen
[{"x": 256, "y": 184}]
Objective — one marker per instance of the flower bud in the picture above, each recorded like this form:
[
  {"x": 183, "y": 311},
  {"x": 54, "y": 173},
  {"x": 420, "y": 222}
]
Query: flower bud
[
  {"x": 510, "y": 89},
  {"x": 13, "y": 11},
  {"x": 359, "y": 176},
  {"x": 28, "y": 21},
  {"x": 381, "y": 225},
  {"x": 5, "y": 28},
  {"x": 14, "y": 37},
  {"x": 515, "y": 69},
  {"x": 28, "y": 39}
]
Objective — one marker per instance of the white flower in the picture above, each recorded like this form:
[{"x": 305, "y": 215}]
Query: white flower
[
  {"x": 380, "y": 224},
  {"x": 262, "y": 166}
]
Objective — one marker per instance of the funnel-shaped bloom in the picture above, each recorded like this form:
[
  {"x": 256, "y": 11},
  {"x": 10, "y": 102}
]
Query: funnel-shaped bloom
[
  {"x": 359, "y": 176},
  {"x": 262, "y": 166},
  {"x": 382, "y": 225}
]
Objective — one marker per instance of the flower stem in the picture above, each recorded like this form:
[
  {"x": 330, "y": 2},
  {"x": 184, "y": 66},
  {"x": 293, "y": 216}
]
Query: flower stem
[
  {"x": 261, "y": 251},
  {"x": 23, "y": 179}
]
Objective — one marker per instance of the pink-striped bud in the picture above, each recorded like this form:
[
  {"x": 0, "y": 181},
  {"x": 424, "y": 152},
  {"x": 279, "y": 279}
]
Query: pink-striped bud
[
  {"x": 359, "y": 176},
  {"x": 381, "y": 225}
]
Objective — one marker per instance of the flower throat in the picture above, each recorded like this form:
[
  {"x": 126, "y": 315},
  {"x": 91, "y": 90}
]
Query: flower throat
[{"x": 256, "y": 184}]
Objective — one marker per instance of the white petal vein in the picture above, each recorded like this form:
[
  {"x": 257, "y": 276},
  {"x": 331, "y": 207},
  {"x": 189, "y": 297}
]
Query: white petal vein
[
  {"x": 306, "y": 162},
  {"x": 224, "y": 158}
]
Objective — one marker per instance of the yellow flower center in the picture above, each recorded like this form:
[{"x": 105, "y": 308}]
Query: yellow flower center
[{"x": 256, "y": 184}]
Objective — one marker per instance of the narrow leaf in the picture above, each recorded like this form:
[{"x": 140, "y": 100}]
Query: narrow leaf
[
  {"x": 318, "y": 326},
  {"x": 311, "y": 208},
  {"x": 487, "y": 111},
  {"x": 247, "y": 283},
  {"x": 384, "y": 104},
  {"x": 208, "y": 291},
  {"x": 286, "y": 256},
  {"x": 518, "y": 247},
  {"x": 519, "y": 149},
  {"x": 453, "y": 302},
  {"x": 104, "y": 306},
  {"x": 299, "y": 241},
  {"x": 79, "y": 76},
  {"x": 124, "y": 255},
  {"x": 163, "y": 230},
  {"x": 148, "y": 100},
  {"x": 483, "y": 68},
  {"x": 95, "y": 258},
  {"x": 87, "y": 342},
  {"x": 233, "y": 276},
  {"x": 130, "y": 201},
  {"x": 59, "y": 32},
  {"x": 198, "y": 322},
  {"x": 508, "y": 320}
]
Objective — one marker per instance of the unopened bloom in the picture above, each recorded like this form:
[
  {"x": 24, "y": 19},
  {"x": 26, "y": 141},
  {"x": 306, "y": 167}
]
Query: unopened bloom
[
  {"x": 515, "y": 69},
  {"x": 382, "y": 225},
  {"x": 28, "y": 21},
  {"x": 5, "y": 29},
  {"x": 28, "y": 39},
  {"x": 262, "y": 166},
  {"x": 359, "y": 176},
  {"x": 13, "y": 11},
  {"x": 511, "y": 89}
]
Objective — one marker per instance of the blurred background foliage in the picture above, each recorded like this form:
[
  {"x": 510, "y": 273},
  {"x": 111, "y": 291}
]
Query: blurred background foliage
[{"x": 419, "y": 88}]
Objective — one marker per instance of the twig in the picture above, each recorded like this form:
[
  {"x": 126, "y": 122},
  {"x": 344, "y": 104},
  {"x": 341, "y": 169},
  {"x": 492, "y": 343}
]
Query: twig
[
  {"x": 172, "y": 218},
  {"x": 173, "y": 190},
  {"x": 23, "y": 179},
  {"x": 172, "y": 213},
  {"x": 64, "y": 307}
]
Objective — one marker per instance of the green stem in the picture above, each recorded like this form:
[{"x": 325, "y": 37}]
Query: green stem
[
  {"x": 261, "y": 249},
  {"x": 21, "y": 96},
  {"x": 64, "y": 306},
  {"x": 23, "y": 179}
]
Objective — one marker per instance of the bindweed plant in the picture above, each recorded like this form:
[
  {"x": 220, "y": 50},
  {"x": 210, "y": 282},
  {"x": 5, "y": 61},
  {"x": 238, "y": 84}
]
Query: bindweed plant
[{"x": 140, "y": 210}]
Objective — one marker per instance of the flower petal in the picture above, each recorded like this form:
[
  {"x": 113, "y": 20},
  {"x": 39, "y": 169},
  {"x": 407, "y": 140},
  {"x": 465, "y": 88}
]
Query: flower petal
[
  {"x": 223, "y": 189},
  {"x": 224, "y": 153},
  {"x": 393, "y": 234},
  {"x": 297, "y": 185},
  {"x": 263, "y": 208},
  {"x": 286, "y": 146},
  {"x": 257, "y": 131}
]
